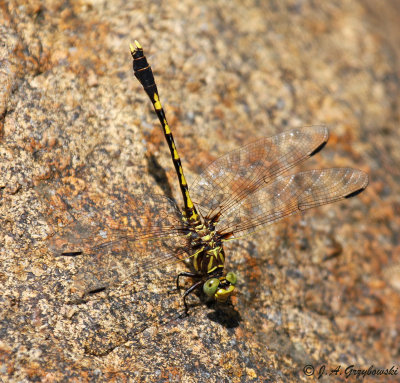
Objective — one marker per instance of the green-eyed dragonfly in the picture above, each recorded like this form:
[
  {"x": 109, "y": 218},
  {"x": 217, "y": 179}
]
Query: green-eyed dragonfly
[{"x": 239, "y": 193}]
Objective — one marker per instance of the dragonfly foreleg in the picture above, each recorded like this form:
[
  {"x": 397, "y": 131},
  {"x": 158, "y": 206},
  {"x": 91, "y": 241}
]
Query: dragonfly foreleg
[
  {"x": 189, "y": 290},
  {"x": 185, "y": 274}
]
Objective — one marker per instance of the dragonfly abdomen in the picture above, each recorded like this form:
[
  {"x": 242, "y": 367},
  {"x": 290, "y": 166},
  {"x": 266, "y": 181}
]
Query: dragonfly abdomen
[{"x": 144, "y": 74}]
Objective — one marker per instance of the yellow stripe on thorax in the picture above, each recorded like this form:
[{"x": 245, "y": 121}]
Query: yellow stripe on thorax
[
  {"x": 195, "y": 256},
  {"x": 210, "y": 269}
]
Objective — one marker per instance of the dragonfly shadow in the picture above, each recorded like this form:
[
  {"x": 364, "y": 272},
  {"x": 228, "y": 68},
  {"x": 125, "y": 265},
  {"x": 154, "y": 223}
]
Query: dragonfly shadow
[
  {"x": 224, "y": 314},
  {"x": 159, "y": 175}
]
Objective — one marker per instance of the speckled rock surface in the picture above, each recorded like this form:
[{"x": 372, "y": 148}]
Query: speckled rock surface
[{"x": 320, "y": 290}]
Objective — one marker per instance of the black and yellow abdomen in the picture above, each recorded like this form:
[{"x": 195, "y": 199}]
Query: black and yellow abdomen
[{"x": 207, "y": 255}]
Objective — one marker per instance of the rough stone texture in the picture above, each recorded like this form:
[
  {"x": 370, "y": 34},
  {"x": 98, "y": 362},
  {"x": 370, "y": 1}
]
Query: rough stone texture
[{"x": 322, "y": 289}]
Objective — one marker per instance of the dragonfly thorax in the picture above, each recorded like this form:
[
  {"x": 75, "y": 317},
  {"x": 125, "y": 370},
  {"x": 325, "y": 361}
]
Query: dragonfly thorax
[
  {"x": 209, "y": 256},
  {"x": 209, "y": 259}
]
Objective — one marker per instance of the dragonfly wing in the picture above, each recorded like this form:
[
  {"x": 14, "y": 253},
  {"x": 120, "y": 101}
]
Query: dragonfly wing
[
  {"x": 288, "y": 195},
  {"x": 232, "y": 177},
  {"x": 128, "y": 245},
  {"x": 115, "y": 240},
  {"x": 93, "y": 218}
]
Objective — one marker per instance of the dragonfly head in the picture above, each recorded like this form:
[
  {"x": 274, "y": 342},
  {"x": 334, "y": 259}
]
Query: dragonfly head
[{"x": 220, "y": 288}]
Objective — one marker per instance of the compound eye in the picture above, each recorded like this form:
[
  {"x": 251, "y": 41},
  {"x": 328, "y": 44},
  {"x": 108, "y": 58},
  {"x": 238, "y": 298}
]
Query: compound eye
[
  {"x": 211, "y": 286},
  {"x": 231, "y": 278}
]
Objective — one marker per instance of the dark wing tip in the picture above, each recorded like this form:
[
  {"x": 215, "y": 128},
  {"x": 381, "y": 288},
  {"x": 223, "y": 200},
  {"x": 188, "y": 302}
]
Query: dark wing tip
[
  {"x": 363, "y": 185},
  {"x": 353, "y": 194},
  {"x": 319, "y": 148},
  {"x": 70, "y": 253},
  {"x": 322, "y": 132}
]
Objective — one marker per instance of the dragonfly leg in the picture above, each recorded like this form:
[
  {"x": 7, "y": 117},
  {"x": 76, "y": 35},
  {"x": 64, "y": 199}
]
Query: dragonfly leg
[
  {"x": 188, "y": 291},
  {"x": 185, "y": 274}
]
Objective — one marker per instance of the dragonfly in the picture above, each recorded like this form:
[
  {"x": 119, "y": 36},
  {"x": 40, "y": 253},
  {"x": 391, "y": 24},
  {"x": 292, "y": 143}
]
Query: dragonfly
[{"x": 238, "y": 194}]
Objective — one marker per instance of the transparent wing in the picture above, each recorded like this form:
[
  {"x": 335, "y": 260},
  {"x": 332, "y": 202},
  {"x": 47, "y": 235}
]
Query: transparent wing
[
  {"x": 120, "y": 237},
  {"x": 131, "y": 246},
  {"x": 232, "y": 177},
  {"x": 288, "y": 195}
]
